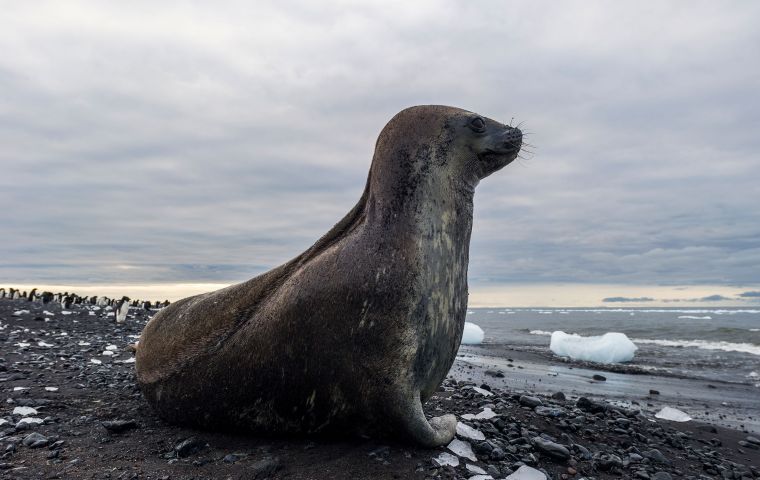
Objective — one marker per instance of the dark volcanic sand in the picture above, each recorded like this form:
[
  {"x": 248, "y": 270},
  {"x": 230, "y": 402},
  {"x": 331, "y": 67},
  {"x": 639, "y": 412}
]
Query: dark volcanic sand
[{"x": 610, "y": 443}]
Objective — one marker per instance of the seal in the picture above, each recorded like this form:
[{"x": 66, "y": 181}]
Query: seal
[{"x": 358, "y": 331}]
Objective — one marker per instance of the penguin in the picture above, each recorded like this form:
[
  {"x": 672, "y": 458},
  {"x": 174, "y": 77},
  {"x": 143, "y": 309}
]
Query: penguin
[
  {"x": 122, "y": 308},
  {"x": 46, "y": 297}
]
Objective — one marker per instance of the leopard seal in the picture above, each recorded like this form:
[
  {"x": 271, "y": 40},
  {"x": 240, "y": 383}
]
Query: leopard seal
[{"x": 358, "y": 331}]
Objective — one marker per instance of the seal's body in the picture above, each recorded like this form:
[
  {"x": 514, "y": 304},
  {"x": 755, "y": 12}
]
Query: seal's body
[{"x": 359, "y": 330}]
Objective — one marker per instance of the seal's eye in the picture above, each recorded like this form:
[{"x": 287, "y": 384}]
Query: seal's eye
[{"x": 478, "y": 124}]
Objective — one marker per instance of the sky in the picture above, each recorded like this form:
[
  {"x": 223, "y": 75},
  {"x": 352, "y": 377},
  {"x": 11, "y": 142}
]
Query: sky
[{"x": 204, "y": 143}]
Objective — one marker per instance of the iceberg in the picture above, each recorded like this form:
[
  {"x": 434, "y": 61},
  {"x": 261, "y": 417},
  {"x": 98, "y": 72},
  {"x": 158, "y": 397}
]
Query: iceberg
[
  {"x": 473, "y": 334},
  {"x": 609, "y": 348}
]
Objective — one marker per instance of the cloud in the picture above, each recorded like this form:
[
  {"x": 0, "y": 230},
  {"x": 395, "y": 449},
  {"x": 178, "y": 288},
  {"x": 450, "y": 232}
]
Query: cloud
[
  {"x": 208, "y": 143},
  {"x": 627, "y": 299},
  {"x": 752, "y": 294},
  {"x": 714, "y": 298}
]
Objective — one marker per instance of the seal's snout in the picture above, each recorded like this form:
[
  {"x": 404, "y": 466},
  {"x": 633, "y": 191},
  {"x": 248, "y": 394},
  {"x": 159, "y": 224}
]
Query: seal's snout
[{"x": 512, "y": 139}]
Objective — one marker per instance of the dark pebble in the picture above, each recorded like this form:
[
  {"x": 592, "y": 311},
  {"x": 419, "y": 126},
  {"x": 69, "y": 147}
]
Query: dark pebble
[
  {"x": 189, "y": 446},
  {"x": 654, "y": 392},
  {"x": 558, "y": 396},
  {"x": 590, "y": 406},
  {"x": 531, "y": 402},
  {"x": 119, "y": 426},
  {"x": 551, "y": 448},
  {"x": 35, "y": 440},
  {"x": 265, "y": 468},
  {"x": 600, "y": 378}
]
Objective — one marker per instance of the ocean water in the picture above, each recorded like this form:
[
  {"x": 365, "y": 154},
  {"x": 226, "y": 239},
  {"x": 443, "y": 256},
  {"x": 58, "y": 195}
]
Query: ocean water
[{"x": 721, "y": 344}]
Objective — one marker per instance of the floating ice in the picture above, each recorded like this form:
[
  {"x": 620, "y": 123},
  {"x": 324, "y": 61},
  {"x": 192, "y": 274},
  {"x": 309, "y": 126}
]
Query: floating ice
[
  {"x": 609, "y": 348},
  {"x": 51, "y": 389},
  {"x": 692, "y": 317},
  {"x": 462, "y": 449},
  {"x": 673, "y": 414},
  {"x": 527, "y": 473},
  {"x": 446, "y": 459},
  {"x": 467, "y": 431},
  {"x": 24, "y": 411},
  {"x": 473, "y": 334},
  {"x": 484, "y": 415}
]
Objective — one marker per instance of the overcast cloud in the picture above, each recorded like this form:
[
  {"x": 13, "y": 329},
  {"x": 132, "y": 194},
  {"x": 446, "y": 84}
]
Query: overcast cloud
[{"x": 210, "y": 141}]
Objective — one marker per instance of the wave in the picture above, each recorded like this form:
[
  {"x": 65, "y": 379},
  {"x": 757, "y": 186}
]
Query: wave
[
  {"x": 702, "y": 344},
  {"x": 692, "y": 317}
]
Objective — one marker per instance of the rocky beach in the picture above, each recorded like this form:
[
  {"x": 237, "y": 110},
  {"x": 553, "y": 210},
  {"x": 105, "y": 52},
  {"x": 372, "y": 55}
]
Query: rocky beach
[{"x": 72, "y": 410}]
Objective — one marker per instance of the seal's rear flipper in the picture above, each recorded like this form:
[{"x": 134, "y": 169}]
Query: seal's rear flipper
[{"x": 438, "y": 431}]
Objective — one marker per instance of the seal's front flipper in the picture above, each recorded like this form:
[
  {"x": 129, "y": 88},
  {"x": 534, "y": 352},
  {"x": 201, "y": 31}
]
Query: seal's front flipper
[{"x": 414, "y": 426}]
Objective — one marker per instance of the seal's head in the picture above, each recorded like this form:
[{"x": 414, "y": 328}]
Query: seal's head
[{"x": 456, "y": 144}]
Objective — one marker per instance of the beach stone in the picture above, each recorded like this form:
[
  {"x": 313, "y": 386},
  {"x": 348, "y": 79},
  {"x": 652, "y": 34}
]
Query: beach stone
[
  {"x": 610, "y": 461},
  {"x": 119, "y": 426},
  {"x": 749, "y": 445},
  {"x": 558, "y": 396},
  {"x": 265, "y": 468},
  {"x": 35, "y": 440},
  {"x": 663, "y": 476},
  {"x": 529, "y": 401},
  {"x": 599, "y": 378},
  {"x": 189, "y": 446},
  {"x": 589, "y": 405},
  {"x": 551, "y": 448},
  {"x": 754, "y": 440},
  {"x": 656, "y": 456},
  {"x": 549, "y": 411},
  {"x": 654, "y": 392}
]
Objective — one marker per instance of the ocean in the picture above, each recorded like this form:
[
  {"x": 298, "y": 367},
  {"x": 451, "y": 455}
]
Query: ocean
[{"x": 721, "y": 344}]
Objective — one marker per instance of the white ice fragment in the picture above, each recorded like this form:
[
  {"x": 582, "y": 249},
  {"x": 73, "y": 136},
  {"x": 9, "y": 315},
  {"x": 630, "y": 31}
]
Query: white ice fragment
[
  {"x": 95, "y": 361},
  {"x": 112, "y": 347},
  {"x": 107, "y": 353},
  {"x": 482, "y": 391},
  {"x": 66, "y": 312},
  {"x": 466, "y": 431},
  {"x": 527, "y": 473},
  {"x": 109, "y": 308},
  {"x": 84, "y": 344},
  {"x": 95, "y": 308},
  {"x": 446, "y": 459},
  {"x": 481, "y": 477},
  {"x": 30, "y": 421},
  {"x": 475, "y": 469},
  {"x": 110, "y": 314},
  {"x": 50, "y": 314},
  {"x": 129, "y": 360},
  {"x": 18, "y": 389},
  {"x": 51, "y": 389},
  {"x": 24, "y": 411},
  {"x": 3, "y": 421},
  {"x": 43, "y": 344},
  {"x": 673, "y": 414},
  {"x": 472, "y": 335},
  {"x": 18, "y": 313},
  {"x": 23, "y": 344},
  {"x": 611, "y": 347},
  {"x": 462, "y": 449},
  {"x": 484, "y": 415},
  {"x": 91, "y": 313}
]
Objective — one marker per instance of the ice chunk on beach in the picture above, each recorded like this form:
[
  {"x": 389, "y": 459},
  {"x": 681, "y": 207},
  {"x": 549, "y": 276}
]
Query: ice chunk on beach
[
  {"x": 609, "y": 348},
  {"x": 484, "y": 415},
  {"x": 466, "y": 431},
  {"x": 24, "y": 411},
  {"x": 462, "y": 449},
  {"x": 446, "y": 459},
  {"x": 527, "y": 473},
  {"x": 473, "y": 334},
  {"x": 673, "y": 414}
]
